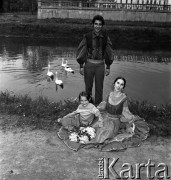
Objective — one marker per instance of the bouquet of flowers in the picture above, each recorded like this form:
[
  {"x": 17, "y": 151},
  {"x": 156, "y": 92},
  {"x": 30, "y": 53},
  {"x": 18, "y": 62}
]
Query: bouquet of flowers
[{"x": 84, "y": 135}]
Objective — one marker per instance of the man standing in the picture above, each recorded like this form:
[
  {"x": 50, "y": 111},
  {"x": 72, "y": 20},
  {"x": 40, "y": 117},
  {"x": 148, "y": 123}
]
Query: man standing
[{"x": 94, "y": 51}]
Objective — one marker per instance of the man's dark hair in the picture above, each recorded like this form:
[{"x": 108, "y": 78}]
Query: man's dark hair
[{"x": 98, "y": 17}]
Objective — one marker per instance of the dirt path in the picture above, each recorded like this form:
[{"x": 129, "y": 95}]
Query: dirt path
[{"x": 41, "y": 155}]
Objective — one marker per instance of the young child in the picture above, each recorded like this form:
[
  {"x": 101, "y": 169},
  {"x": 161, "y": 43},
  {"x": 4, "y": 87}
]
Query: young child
[{"x": 84, "y": 116}]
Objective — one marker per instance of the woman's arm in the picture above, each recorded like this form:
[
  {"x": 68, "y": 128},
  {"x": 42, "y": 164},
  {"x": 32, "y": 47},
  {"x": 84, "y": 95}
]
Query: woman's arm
[
  {"x": 127, "y": 115},
  {"x": 96, "y": 112},
  {"x": 102, "y": 106}
]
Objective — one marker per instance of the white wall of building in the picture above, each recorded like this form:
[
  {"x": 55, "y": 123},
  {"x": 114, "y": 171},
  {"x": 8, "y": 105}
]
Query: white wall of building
[{"x": 135, "y": 1}]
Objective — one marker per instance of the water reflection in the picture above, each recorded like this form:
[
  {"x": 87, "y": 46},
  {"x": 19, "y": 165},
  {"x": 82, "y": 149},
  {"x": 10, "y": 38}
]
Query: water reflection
[
  {"x": 32, "y": 59},
  {"x": 142, "y": 58},
  {"x": 23, "y": 69}
]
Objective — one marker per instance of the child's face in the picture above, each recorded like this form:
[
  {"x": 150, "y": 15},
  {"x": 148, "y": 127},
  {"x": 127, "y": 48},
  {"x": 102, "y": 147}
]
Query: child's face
[{"x": 84, "y": 101}]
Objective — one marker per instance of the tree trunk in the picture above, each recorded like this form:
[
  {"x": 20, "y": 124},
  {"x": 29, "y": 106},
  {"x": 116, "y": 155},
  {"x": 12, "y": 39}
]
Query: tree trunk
[{"x": 1, "y": 6}]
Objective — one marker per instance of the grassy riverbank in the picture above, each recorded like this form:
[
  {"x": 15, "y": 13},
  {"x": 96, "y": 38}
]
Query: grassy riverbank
[
  {"x": 30, "y": 148},
  {"x": 130, "y": 35},
  {"x": 43, "y": 114}
]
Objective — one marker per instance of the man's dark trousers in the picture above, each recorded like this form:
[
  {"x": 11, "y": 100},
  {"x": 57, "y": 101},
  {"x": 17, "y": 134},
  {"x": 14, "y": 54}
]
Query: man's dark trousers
[{"x": 97, "y": 71}]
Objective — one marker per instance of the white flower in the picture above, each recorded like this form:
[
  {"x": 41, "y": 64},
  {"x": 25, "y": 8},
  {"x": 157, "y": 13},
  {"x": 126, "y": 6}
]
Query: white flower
[
  {"x": 91, "y": 132},
  {"x": 83, "y": 139},
  {"x": 90, "y": 129},
  {"x": 73, "y": 137}
]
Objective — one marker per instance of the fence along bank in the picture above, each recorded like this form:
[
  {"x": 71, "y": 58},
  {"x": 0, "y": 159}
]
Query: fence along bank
[{"x": 110, "y": 11}]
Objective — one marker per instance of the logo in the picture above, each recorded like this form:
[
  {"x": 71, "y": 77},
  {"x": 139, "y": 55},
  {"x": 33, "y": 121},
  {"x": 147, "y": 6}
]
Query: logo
[{"x": 108, "y": 168}]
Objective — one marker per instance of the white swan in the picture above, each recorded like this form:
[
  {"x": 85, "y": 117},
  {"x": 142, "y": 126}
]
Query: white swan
[
  {"x": 58, "y": 82},
  {"x": 50, "y": 74},
  {"x": 63, "y": 64},
  {"x": 68, "y": 69}
]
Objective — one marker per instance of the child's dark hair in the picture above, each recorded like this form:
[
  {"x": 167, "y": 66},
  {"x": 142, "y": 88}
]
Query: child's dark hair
[{"x": 87, "y": 95}]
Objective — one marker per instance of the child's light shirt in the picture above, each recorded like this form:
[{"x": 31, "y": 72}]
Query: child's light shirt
[{"x": 87, "y": 113}]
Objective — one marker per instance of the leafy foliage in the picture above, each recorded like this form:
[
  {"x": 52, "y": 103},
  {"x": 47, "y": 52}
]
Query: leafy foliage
[
  {"x": 43, "y": 114},
  {"x": 158, "y": 117},
  {"x": 19, "y": 5}
]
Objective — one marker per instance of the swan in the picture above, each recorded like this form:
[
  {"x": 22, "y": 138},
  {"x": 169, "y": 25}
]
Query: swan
[
  {"x": 58, "y": 82},
  {"x": 63, "y": 64},
  {"x": 50, "y": 74},
  {"x": 68, "y": 69}
]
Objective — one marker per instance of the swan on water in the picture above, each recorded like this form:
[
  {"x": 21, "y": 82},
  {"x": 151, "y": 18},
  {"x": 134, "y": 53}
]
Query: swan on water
[{"x": 58, "y": 82}]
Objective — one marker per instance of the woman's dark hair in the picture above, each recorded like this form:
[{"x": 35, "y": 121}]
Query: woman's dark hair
[
  {"x": 100, "y": 18},
  {"x": 85, "y": 94},
  {"x": 124, "y": 80}
]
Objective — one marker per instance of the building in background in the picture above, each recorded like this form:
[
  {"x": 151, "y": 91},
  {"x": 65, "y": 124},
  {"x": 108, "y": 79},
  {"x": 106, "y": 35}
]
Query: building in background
[{"x": 107, "y": 2}]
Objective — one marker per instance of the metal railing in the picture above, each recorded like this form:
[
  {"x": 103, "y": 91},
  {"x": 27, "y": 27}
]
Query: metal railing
[{"x": 103, "y": 6}]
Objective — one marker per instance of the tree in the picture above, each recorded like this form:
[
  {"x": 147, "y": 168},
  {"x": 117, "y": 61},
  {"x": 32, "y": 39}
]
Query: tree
[
  {"x": 1, "y": 6},
  {"x": 18, "y": 5}
]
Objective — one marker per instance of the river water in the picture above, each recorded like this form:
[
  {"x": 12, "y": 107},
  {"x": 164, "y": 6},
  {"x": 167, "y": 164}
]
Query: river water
[{"x": 23, "y": 69}]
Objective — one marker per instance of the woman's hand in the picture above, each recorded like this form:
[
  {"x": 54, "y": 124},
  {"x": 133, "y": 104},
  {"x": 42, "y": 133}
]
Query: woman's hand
[
  {"x": 101, "y": 106},
  {"x": 100, "y": 123},
  {"x": 130, "y": 128},
  {"x": 131, "y": 121}
]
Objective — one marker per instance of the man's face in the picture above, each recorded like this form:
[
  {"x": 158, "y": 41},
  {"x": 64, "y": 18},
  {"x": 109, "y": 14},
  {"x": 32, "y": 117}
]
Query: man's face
[{"x": 97, "y": 26}]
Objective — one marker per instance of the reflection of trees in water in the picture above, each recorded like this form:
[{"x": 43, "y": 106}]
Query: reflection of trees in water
[
  {"x": 34, "y": 58},
  {"x": 141, "y": 58},
  {"x": 5, "y": 54},
  {"x": 37, "y": 57},
  {"x": 31, "y": 58}
]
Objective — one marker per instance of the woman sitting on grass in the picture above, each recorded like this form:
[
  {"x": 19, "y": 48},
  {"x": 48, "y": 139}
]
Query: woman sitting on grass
[{"x": 121, "y": 129}]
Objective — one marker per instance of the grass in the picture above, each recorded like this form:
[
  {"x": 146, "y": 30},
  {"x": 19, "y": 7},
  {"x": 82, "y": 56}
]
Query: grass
[
  {"x": 43, "y": 114},
  {"x": 28, "y": 18},
  {"x": 123, "y": 34},
  {"x": 37, "y": 114},
  {"x": 158, "y": 118}
]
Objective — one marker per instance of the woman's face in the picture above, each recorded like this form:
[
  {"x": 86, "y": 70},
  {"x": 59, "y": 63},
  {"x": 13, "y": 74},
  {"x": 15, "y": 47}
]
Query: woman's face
[
  {"x": 84, "y": 101},
  {"x": 97, "y": 26},
  {"x": 119, "y": 85}
]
